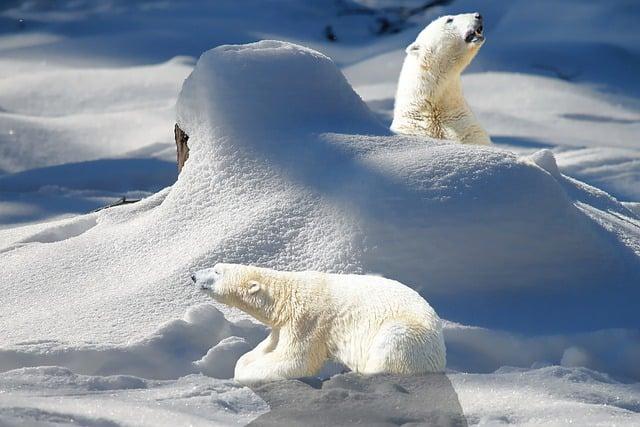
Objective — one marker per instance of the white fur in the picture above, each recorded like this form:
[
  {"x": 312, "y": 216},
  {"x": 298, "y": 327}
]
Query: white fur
[
  {"x": 368, "y": 323},
  {"x": 429, "y": 99}
]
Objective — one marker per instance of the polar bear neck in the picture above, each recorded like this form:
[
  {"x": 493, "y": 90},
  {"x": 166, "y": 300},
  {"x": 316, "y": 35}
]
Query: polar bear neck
[
  {"x": 286, "y": 292},
  {"x": 429, "y": 101}
]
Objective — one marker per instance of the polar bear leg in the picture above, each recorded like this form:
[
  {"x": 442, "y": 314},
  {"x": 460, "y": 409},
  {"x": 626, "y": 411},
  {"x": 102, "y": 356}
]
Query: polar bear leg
[
  {"x": 395, "y": 350},
  {"x": 267, "y": 345},
  {"x": 270, "y": 367}
]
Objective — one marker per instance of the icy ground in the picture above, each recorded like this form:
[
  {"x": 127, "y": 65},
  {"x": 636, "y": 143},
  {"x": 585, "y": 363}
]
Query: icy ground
[{"x": 530, "y": 267}]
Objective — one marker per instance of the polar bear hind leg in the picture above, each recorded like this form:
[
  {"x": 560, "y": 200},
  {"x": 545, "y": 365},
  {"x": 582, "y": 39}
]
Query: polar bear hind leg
[{"x": 401, "y": 349}]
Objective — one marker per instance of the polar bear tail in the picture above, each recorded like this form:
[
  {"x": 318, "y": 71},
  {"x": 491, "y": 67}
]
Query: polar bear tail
[{"x": 404, "y": 349}]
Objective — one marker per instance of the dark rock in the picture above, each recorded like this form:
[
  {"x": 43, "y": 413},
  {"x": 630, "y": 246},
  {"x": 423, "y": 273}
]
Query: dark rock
[
  {"x": 352, "y": 399},
  {"x": 182, "y": 148}
]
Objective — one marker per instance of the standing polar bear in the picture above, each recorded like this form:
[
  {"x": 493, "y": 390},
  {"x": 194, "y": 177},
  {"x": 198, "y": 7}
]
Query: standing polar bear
[
  {"x": 429, "y": 98},
  {"x": 368, "y": 323}
]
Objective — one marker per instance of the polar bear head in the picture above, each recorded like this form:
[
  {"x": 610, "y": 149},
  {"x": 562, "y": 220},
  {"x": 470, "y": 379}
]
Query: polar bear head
[
  {"x": 448, "y": 44},
  {"x": 259, "y": 292}
]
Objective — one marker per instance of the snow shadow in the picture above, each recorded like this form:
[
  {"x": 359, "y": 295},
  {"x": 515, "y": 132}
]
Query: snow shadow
[
  {"x": 519, "y": 142},
  {"x": 117, "y": 175},
  {"x": 77, "y": 188},
  {"x": 351, "y": 399},
  {"x": 57, "y": 233},
  {"x": 598, "y": 118}
]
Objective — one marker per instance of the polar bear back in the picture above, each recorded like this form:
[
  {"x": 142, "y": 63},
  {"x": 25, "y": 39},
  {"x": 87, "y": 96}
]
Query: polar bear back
[{"x": 388, "y": 298}]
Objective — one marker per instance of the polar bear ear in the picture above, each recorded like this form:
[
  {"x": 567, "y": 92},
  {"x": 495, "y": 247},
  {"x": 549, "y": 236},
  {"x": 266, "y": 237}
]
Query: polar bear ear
[
  {"x": 254, "y": 287},
  {"x": 413, "y": 49}
]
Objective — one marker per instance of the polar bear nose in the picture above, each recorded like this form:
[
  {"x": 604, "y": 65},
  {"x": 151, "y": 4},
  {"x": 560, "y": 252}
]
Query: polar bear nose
[
  {"x": 478, "y": 16},
  {"x": 193, "y": 277}
]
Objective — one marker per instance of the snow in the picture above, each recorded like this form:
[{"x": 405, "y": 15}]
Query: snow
[
  {"x": 57, "y": 396},
  {"x": 529, "y": 249},
  {"x": 152, "y": 381},
  {"x": 69, "y": 125},
  {"x": 546, "y": 396},
  {"x": 609, "y": 350},
  {"x": 169, "y": 352}
]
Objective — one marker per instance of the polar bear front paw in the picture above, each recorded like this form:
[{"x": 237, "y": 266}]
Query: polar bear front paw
[{"x": 265, "y": 368}]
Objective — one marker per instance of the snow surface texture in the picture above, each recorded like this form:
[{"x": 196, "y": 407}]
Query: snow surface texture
[
  {"x": 550, "y": 395},
  {"x": 542, "y": 265},
  {"x": 57, "y": 396}
]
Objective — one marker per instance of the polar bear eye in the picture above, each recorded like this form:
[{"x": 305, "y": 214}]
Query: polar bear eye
[{"x": 449, "y": 20}]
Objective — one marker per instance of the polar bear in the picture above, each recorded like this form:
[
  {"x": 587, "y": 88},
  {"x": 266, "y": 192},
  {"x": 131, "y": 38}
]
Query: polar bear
[
  {"x": 429, "y": 98},
  {"x": 368, "y": 323}
]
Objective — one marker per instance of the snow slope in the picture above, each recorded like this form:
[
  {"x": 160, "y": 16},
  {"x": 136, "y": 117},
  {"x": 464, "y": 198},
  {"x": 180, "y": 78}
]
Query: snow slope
[{"x": 290, "y": 169}]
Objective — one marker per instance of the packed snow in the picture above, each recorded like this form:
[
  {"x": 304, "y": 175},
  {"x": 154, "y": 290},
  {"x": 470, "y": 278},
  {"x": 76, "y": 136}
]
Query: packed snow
[
  {"x": 530, "y": 249},
  {"x": 50, "y": 395}
]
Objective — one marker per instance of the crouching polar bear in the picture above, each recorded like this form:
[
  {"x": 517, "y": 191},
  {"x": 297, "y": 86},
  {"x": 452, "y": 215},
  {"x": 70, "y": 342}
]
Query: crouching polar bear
[
  {"x": 429, "y": 98},
  {"x": 368, "y": 323}
]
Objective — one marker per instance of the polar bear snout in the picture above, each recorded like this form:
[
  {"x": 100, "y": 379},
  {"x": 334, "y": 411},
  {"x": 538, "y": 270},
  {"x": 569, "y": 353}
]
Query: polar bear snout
[
  {"x": 206, "y": 280},
  {"x": 474, "y": 34}
]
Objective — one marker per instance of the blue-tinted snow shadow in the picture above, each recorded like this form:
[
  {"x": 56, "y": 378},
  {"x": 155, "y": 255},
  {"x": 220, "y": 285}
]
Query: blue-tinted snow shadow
[
  {"x": 545, "y": 310},
  {"x": 598, "y": 118},
  {"x": 144, "y": 35},
  {"x": 132, "y": 34},
  {"x": 18, "y": 209},
  {"x": 117, "y": 175},
  {"x": 383, "y": 110},
  {"x": 608, "y": 68},
  {"x": 76, "y": 188},
  {"x": 519, "y": 141}
]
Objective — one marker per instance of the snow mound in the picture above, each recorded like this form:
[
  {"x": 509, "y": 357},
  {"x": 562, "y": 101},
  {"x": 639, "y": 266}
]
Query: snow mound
[
  {"x": 546, "y": 160},
  {"x": 288, "y": 169},
  {"x": 220, "y": 361},
  {"x": 271, "y": 85}
]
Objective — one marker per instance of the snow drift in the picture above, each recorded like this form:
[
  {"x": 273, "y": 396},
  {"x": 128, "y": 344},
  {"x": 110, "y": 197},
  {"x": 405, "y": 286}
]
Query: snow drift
[{"x": 288, "y": 169}]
